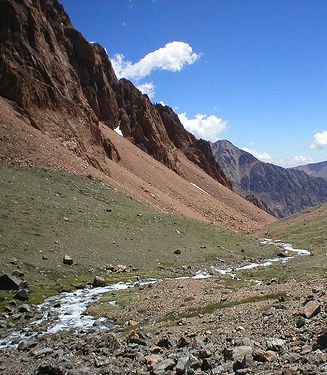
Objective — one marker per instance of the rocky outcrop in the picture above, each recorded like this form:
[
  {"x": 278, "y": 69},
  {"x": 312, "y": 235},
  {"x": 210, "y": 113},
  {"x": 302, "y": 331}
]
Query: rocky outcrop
[
  {"x": 65, "y": 85},
  {"x": 280, "y": 191},
  {"x": 141, "y": 123},
  {"x": 196, "y": 150},
  {"x": 51, "y": 72}
]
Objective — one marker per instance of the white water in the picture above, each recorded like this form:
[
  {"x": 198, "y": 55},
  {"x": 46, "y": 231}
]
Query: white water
[{"x": 67, "y": 311}]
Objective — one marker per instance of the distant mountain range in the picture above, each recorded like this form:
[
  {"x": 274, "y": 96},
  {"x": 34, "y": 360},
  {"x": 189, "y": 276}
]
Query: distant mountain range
[
  {"x": 279, "y": 191},
  {"x": 314, "y": 169}
]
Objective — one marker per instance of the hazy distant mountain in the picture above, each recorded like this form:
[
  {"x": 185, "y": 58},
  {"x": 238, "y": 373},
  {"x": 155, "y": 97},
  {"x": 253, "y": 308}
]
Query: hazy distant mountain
[
  {"x": 314, "y": 169},
  {"x": 280, "y": 191}
]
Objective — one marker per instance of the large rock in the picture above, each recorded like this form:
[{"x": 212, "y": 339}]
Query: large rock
[
  {"x": 276, "y": 345},
  {"x": 322, "y": 340},
  {"x": 310, "y": 309},
  {"x": 22, "y": 294},
  {"x": 67, "y": 260},
  {"x": 99, "y": 282},
  {"x": 11, "y": 282},
  {"x": 237, "y": 352}
]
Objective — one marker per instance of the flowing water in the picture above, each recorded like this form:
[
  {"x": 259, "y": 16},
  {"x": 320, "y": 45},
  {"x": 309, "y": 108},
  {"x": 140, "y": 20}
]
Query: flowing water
[{"x": 68, "y": 311}]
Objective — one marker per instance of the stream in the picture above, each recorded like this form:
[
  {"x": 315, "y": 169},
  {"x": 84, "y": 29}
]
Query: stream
[{"x": 68, "y": 311}]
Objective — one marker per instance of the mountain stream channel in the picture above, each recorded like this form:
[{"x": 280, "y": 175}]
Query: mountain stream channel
[{"x": 68, "y": 311}]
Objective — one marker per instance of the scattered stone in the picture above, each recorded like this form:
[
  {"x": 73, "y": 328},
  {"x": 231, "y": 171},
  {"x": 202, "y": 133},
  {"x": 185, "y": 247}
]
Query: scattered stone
[
  {"x": 300, "y": 322},
  {"x": 269, "y": 312},
  {"x": 237, "y": 352},
  {"x": 284, "y": 254},
  {"x": 177, "y": 252},
  {"x": 164, "y": 343},
  {"x": 164, "y": 365},
  {"x": 182, "y": 363},
  {"x": 24, "y": 308},
  {"x": 155, "y": 350},
  {"x": 182, "y": 342},
  {"x": 277, "y": 345},
  {"x": 25, "y": 345},
  {"x": 42, "y": 352},
  {"x": 110, "y": 268},
  {"x": 68, "y": 260},
  {"x": 265, "y": 356},
  {"x": 120, "y": 268}
]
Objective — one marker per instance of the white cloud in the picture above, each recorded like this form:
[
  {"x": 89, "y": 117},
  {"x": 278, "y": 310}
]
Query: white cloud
[
  {"x": 172, "y": 57},
  {"x": 204, "y": 126},
  {"x": 162, "y": 103},
  {"x": 261, "y": 155},
  {"x": 295, "y": 161},
  {"x": 319, "y": 140},
  {"x": 147, "y": 88}
]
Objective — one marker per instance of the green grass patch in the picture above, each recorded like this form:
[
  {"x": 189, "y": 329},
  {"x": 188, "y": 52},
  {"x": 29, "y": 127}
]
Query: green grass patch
[
  {"x": 48, "y": 214},
  {"x": 210, "y": 308}
]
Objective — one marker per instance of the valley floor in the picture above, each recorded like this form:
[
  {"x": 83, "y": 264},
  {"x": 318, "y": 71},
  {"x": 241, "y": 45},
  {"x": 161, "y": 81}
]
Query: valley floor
[
  {"x": 266, "y": 320},
  {"x": 207, "y": 326}
]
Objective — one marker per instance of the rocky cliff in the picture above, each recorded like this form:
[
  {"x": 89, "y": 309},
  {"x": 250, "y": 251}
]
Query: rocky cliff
[
  {"x": 279, "y": 191},
  {"x": 49, "y": 70},
  {"x": 66, "y": 85},
  {"x": 196, "y": 150}
]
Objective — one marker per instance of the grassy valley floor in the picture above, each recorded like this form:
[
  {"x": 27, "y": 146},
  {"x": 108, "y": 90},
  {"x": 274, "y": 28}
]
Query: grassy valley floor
[{"x": 46, "y": 215}]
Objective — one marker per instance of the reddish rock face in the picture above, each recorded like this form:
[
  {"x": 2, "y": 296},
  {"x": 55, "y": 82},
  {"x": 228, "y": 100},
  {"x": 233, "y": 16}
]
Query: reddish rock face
[
  {"x": 141, "y": 123},
  {"x": 66, "y": 85},
  {"x": 51, "y": 72}
]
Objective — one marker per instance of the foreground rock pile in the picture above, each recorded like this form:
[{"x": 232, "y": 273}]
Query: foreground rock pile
[{"x": 285, "y": 336}]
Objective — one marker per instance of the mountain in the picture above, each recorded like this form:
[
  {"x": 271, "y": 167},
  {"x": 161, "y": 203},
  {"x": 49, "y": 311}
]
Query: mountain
[
  {"x": 60, "y": 101},
  {"x": 279, "y": 191},
  {"x": 46, "y": 64},
  {"x": 314, "y": 169}
]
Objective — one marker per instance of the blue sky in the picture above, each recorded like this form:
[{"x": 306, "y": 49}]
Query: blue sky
[{"x": 252, "y": 72}]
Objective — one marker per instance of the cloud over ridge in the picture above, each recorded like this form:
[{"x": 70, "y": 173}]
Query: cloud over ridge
[
  {"x": 172, "y": 57},
  {"x": 204, "y": 126}
]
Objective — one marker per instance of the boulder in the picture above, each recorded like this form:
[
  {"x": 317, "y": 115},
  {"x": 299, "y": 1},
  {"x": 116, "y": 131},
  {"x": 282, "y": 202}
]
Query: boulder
[
  {"x": 22, "y": 294},
  {"x": 68, "y": 260},
  {"x": 310, "y": 309},
  {"x": 120, "y": 268},
  {"x": 11, "y": 282},
  {"x": 265, "y": 356},
  {"x": 237, "y": 352},
  {"x": 182, "y": 363},
  {"x": 276, "y": 345},
  {"x": 99, "y": 282},
  {"x": 322, "y": 340},
  {"x": 49, "y": 369}
]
